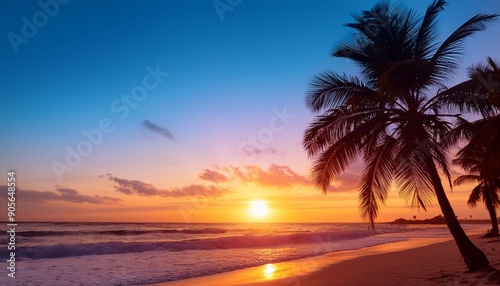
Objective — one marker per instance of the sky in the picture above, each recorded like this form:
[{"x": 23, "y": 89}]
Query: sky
[{"x": 182, "y": 111}]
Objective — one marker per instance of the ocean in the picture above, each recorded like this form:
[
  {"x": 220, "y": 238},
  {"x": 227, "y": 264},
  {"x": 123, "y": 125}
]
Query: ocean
[{"x": 142, "y": 253}]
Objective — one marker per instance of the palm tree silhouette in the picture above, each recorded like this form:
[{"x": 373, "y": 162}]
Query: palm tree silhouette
[
  {"x": 481, "y": 156},
  {"x": 388, "y": 116},
  {"x": 482, "y": 170},
  {"x": 480, "y": 94}
]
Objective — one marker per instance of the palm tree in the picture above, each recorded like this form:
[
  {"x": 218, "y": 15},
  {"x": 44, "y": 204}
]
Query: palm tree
[
  {"x": 481, "y": 156},
  {"x": 480, "y": 94},
  {"x": 387, "y": 116},
  {"x": 487, "y": 188}
]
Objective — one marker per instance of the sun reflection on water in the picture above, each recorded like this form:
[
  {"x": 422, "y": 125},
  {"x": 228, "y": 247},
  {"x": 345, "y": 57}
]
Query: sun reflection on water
[{"x": 268, "y": 271}]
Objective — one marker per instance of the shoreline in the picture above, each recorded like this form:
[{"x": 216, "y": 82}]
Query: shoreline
[{"x": 417, "y": 261}]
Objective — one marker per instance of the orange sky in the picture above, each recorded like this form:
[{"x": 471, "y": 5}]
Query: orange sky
[{"x": 221, "y": 194}]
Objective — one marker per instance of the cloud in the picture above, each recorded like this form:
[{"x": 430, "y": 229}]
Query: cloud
[
  {"x": 213, "y": 176},
  {"x": 61, "y": 194},
  {"x": 253, "y": 151},
  {"x": 131, "y": 187},
  {"x": 345, "y": 182},
  {"x": 197, "y": 191},
  {"x": 279, "y": 176},
  {"x": 274, "y": 176},
  {"x": 135, "y": 187},
  {"x": 158, "y": 129}
]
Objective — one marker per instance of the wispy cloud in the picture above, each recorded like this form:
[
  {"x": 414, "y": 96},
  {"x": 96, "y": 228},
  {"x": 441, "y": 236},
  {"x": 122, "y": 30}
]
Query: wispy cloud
[
  {"x": 61, "y": 194},
  {"x": 213, "y": 176},
  {"x": 158, "y": 129},
  {"x": 135, "y": 187},
  {"x": 274, "y": 176},
  {"x": 278, "y": 176},
  {"x": 198, "y": 191},
  {"x": 345, "y": 182},
  {"x": 254, "y": 151}
]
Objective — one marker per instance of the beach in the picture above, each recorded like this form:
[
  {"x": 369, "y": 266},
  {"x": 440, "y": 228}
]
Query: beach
[{"x": 423, "y": 261}]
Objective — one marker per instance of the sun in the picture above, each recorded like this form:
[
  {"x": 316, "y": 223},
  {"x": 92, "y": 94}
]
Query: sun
[{"x": 258, "y": 208}]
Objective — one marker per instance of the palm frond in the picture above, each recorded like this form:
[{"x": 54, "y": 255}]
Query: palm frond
[
  {"x": 334, "y": 161},
  {"x": 427, "y": 33},
  {"x": 463, "y": 129},
  {"x": 329, "y": 90},
  {"x": 467, "y": 179},
  {"x": 481, "y": 69},
  {"x": 482, "y": 146},
  {"x": 476, "y": 195},
  {"x": 412, "y": 176},
  {"x": 376, "y": 179},
  {"x": 446, "y": 56},
  {"x": 382, "y": 36},
  {"x": 465, "y": 97},
  {"x": 335, "y": 124},
  {"x": 338, "y": 154}
]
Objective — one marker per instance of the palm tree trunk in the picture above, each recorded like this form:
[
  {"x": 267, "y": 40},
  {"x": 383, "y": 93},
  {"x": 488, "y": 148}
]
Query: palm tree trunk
[
  {"x": 493, "y": 214},
  {"x": 474, "y": 258}
]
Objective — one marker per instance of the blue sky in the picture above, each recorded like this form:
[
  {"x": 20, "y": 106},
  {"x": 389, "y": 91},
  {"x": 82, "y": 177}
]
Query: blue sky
[{"x": 225, "y": 78}]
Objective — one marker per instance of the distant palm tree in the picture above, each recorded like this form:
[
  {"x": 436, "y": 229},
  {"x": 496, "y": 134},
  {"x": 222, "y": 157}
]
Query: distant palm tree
[
  {"x": 481, "y": 156},
  {"x": 483, "y": 167},
  {"x": 480, "y": 94},
  {"x": 388, "y": 116}
]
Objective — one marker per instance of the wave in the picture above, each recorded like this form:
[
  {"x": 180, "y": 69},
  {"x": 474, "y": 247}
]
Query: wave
[
  {"x": 228, "y": 242},
  {"x": 40, "y": 233}
]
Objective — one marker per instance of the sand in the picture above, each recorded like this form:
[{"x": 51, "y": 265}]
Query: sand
[{"x": 430, "y": 261}]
